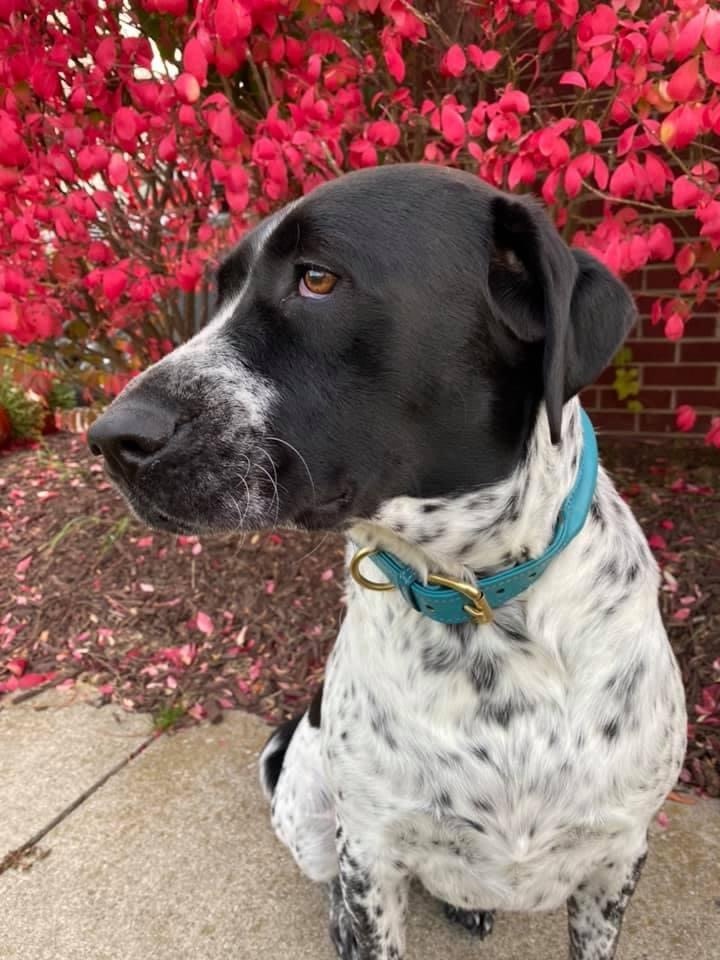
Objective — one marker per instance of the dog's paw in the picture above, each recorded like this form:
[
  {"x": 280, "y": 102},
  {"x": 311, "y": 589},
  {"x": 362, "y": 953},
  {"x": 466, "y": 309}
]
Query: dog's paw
[
  {"x": 340, "y": 927},
  {"x": 478, "y": 922}
]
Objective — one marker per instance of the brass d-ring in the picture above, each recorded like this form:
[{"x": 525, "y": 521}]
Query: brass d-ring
[{"x": 358, "y": 576}]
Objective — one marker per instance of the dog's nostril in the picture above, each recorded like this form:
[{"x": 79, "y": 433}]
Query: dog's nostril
[
  {"x": 140, "y": 446},
  {"x": 130, "y": 433},
  {"x": 95, "y": 450}
]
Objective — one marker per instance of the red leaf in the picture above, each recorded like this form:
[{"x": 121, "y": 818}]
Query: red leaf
[
  {"x": 711, "y": 33},
  {"x": 395, "y": 64},
  {"x": 623, "y": 181},
  {"x": 203, "y": 623},
  {"x": 626, "y": 140},
  {"x": 674, "y": 326},
  {"x": 167, "y": 148},
  {"x": 683, "y": 83},
  {"x": 17, "y": 666},
  {"x": 384, "y": 133},
  {"x": 689, "y": 36},
  {"x": 117, "y": 170},
  {"x": 657, "y": 542},
  {"x": 680, "y": 127},
  {"x": 226, "y": 22},
  {"x": 114, "y": 281},
  {"x": 187, "y": 87},
  {"x": 125, "y": 122},
  {"x": 685, "y": 417},
  {"x": 514, "y": 101},
  {"x": 711, "y": 65},
  {"x": 592, "y": 132},
  {"x": 573, "y": 78},
  {"x": 22, "y": 566},
  {"x": 452, "y": 125},
  {"x": 660, "y": 241},
  {"x": 176, "y": 8},
  {"x": 195, "y": 61},
  {"x": 105, "y": 54},
  {"x": 657, "y": 175},
  {"x": 712, "y": 437},
  {"x": 599, "y": 69},
  {"x": 682, "y": 614},
  {"x": 454, "y": 61}
]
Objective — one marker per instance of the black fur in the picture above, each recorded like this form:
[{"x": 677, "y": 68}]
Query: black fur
[{"x": 272, "y": 764}]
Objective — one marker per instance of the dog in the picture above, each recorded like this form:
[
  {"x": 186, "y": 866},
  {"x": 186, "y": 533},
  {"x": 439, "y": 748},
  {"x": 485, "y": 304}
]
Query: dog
[{"x": 398, "y": 355}]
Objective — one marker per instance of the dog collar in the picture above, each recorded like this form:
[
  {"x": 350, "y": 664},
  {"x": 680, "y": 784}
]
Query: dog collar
[{"x": 454, "y": 601}]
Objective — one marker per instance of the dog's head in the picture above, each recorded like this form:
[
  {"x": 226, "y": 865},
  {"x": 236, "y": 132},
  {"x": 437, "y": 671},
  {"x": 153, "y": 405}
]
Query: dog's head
[{"x": 393, "y": 333}]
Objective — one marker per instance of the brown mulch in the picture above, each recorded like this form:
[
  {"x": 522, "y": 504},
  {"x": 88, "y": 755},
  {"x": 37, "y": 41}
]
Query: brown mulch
[{"x": 187, "y": 629}]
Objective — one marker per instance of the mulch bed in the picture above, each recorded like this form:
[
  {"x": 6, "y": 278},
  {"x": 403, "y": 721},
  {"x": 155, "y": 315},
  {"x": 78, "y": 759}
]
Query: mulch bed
[{"x": 187, "y": 629}]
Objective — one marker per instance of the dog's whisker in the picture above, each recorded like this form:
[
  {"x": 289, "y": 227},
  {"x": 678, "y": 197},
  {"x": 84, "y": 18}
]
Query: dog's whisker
[
  {"x": 300, "y": 457},
  {"x": 276, "y": 493},
  {"x": 317, "y": 546},
  {"x": 236, "y": 505}
]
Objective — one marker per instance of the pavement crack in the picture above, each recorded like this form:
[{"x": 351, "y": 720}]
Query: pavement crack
[{"x": 17, "y": 856}]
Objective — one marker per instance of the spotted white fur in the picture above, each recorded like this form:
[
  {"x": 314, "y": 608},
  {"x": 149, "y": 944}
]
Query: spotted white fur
[
  {"x": 514, "y": 766},
  {"x": 303, "y": 810}
]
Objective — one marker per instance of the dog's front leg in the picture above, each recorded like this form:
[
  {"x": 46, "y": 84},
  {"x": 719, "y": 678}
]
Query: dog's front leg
[
  {"x": 368, "y": 903},
  {"x": 597, "y": 908}
]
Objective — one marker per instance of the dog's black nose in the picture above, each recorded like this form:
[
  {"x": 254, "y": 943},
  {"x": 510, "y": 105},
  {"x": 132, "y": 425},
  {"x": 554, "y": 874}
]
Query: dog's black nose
[{"x": 129, "y": 433}]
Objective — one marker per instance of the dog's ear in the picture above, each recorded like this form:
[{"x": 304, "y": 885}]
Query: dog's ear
[{"x": 543, "y": 291}]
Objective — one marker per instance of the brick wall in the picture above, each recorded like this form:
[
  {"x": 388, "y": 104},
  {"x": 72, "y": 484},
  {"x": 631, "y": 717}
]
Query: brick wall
[{"x": 670, "y": 373}]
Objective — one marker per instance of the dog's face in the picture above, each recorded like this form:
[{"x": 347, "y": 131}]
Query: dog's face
[{"x": 393, "y": 333}]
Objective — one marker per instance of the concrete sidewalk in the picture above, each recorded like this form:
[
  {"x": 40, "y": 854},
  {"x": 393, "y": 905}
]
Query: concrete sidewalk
[{"x": 172, "y": 857}]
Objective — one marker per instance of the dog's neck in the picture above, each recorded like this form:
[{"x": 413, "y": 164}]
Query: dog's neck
[{"x": 489, "y": 528}]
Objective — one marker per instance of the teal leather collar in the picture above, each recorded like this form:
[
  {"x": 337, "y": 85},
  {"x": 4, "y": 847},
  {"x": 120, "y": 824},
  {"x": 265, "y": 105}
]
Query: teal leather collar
[{"x": 453, "y": 601}]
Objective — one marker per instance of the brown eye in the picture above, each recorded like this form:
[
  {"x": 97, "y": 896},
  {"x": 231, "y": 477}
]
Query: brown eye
[{"x": 316, "y": 282}]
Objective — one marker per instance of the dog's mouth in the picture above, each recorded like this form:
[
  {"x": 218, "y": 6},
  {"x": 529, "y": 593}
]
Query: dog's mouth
[
  {"x": 325, "y": 512},
  {"x": 158, "y": 519},
  {"x": 330, "y": 512}
]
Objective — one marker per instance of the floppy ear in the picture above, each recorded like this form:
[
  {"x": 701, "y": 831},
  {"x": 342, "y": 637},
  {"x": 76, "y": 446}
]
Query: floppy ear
[{"x": 545, "y": 292}]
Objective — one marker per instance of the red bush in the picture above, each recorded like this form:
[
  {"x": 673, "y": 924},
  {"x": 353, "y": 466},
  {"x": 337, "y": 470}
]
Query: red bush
[{"x": 137, "y": 139}]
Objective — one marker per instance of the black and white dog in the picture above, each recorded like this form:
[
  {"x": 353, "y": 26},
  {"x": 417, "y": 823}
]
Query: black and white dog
[{"x": 397, "y": 354}]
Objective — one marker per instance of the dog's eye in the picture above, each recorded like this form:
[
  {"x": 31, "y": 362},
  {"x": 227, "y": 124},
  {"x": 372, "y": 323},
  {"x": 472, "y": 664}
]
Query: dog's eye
[{"x": 316, "y": 282}]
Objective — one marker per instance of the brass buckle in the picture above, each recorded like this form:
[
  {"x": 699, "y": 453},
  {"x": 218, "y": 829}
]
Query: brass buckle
[
  {"x": 360, "y": 578},
  {"x": 479, "y": 610}
]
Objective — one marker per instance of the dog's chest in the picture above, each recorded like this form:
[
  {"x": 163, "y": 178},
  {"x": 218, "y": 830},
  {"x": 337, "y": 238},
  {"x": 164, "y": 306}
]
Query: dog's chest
[{"x": 477, "y": 767}]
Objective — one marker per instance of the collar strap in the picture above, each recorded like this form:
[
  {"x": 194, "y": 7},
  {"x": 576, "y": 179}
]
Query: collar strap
[{"x": 454, "y": 601}]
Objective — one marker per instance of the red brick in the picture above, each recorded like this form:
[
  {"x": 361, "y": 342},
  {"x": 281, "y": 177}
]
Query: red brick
[
  {"x": 589, "y": 398},
  {"x": 657, "y": 423},
  {"x": 650, "y": 399},
  {"x": 652, "y": 351},
  {"x": 607, "y": 376},
  {"x": 614, "y": 422},
  {"x": 699, "y": 398},
  {"x": 700, "y": 351},
  {"x": 669, "y": 375},
  {"x": 701, "y": 327},
  {"x": 662, "y": 276},
  {"x": 646, "y": 330}
]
